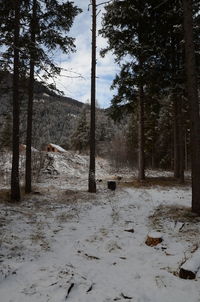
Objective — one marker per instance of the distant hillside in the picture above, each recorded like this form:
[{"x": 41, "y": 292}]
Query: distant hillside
[
  {"x": 54, "y": 114},
  {"x": 57, "y": 119}
]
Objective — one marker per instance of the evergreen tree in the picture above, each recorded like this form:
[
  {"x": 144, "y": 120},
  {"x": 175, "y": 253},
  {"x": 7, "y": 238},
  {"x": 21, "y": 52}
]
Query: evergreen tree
[
  {"x": 57, "y": 20},
  {"x": 15, "y": 182},
  {"x": 43, "y": 26},
  {"x": 128, "y": 28},
  {"x": 91, "y": 177},
  {"x": 80, "y": 137},
  {"x": 192, "y": 93}
]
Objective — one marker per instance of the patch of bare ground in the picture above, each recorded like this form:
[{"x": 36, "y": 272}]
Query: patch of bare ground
[
  {"x": 155, "y": 181},
  {"x": 4, "y": 195},
  {"x": 176, "y": 220}
]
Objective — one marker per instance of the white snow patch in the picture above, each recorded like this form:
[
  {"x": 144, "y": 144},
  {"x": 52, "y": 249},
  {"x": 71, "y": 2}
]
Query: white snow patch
[{"x": 66, "y": 238}]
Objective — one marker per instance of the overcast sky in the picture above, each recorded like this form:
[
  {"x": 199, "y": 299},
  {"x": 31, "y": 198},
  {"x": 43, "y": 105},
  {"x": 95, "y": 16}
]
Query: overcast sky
[{"x": 80, "y": 62}]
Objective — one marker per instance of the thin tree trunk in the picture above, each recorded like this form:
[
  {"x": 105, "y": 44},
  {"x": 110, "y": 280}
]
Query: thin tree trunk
[
  {"x": 28, "y": 172},
  {"x": 186, "y": 151},
  {"x": 176, "y": 140},
  {"x": 192, "y": 92},
  {"x": 181, "y": 142},
  {"x": 15, "y": 183},
  {"x": 91, "y": 180},
  {"x": 141, "y": 156}
]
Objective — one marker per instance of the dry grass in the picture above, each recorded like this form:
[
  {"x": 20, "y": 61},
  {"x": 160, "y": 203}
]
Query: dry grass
[
  {"x": 175, "y": 213},
  {"x": 176, "y": 221},
  {"x": 4, "y": 195},
  {"x": 39, "y": 238},
  {"x": 154, "y": 181},
  {"x": 65, "y": 217}
]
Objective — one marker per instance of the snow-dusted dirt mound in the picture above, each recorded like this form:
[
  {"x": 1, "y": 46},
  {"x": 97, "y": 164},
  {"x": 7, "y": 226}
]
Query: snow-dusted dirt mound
[{"x": 72, "y": 165}]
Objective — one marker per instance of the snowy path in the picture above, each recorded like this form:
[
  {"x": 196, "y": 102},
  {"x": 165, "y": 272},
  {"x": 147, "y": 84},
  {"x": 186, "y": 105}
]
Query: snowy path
[{"x": 93, "y": 253}]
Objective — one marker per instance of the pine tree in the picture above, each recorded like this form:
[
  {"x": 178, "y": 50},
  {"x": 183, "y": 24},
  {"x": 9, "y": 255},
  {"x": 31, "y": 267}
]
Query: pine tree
[
  {"x": 128, "y": 28},
  {"x": 192, "y": 93},
  {"x": 28, "y": 167},
  {"x": 43, "y": 27},
  {"x": 15, "y": 182},
  {"x": 91, "y": 178},
  {"x": 57, "y": 20},
  {"x": 80, "y": 137}
]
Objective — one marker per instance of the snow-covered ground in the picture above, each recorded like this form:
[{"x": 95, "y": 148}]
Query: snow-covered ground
[{"x": 64, "y": 244}]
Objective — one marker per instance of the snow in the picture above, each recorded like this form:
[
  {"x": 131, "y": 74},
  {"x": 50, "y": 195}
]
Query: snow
[
  {"x": 193, "y": 264},
  {"x": 65, "y": 244},
  {"x": 155, "y": 235},
  {"x": 57, "y": 147}
]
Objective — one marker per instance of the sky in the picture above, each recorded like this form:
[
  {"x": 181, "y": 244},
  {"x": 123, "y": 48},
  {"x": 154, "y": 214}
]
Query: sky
[{"x": 80, "y": 62}]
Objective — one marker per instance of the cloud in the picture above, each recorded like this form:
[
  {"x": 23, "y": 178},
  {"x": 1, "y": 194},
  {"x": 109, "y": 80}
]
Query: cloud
[{"x": 80, "y": 62}]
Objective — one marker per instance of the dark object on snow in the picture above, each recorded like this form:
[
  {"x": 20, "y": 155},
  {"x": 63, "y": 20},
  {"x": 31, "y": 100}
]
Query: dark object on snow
[
  {"x": 69, "y": 290},
  {"x": 185, "y": 274},
  {"x": 92, "y": 257},
  {"x": 119, "y": 177},
  {"x": 126, "y": 297},
  {"x": 36, "y": 193},
  {"x": 129, "y": 230},
  {"x": 90, "y": 288},
  {"x": 112, "y": 185}
]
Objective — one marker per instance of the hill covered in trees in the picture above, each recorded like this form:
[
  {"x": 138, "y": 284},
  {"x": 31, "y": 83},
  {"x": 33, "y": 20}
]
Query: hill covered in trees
[{"x": 54, "y": 114}]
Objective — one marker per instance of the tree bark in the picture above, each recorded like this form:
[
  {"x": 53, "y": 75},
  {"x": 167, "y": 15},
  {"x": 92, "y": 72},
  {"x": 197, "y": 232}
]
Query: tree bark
[
  {"x": 192, "y": 92},
  {"x": 28, "y": 172},
  {"x": 15, "y": 183},
  {"x": 186, "y": 150},
  {"x": 141, "y": 155},
  {"x": 176, "y": 140},
  {"x": 92, "y": 180},
  {"x": 181, "y": 142}
]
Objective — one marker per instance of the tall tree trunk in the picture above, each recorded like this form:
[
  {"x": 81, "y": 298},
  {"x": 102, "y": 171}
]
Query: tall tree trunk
[
  {"x": 92, "y": 180},
  {"x": 141, "y": 156},
  {"x": 186, "y": 150},
  {"x": 176, "y": 140},
  {"x": 28, "y": 172},
  {"x": 192, "y": 92},
  {"x": 15, "y": 183},
  {"x": 181, "y": 141}
]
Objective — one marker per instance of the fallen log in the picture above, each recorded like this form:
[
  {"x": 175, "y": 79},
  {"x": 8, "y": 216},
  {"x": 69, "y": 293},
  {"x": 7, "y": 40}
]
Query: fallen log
[{"x": 189, "y": 269}]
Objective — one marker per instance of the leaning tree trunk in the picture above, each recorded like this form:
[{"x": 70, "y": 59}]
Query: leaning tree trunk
[
  {"x": 15, "y": 183},
  {"x": 192, "y": 91},
  {"x": 28, "y": 172},
  {"x": 141, "y": 155},
  {"x": 91, "y": 180}
]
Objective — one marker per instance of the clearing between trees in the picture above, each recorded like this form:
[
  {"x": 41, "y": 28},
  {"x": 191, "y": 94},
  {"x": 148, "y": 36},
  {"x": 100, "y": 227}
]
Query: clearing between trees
[{"x": 65, "y": 244}]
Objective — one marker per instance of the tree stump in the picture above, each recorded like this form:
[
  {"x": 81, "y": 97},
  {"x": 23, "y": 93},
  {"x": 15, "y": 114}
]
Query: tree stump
[
  {"x": 189, "y": 269},
  {"x": 154, "y": 238},
  {"x": 111, "y": 185}
]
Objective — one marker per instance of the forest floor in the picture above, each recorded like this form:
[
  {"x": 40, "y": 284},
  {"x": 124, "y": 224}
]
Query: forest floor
[{"x": 62, "y": 243}]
